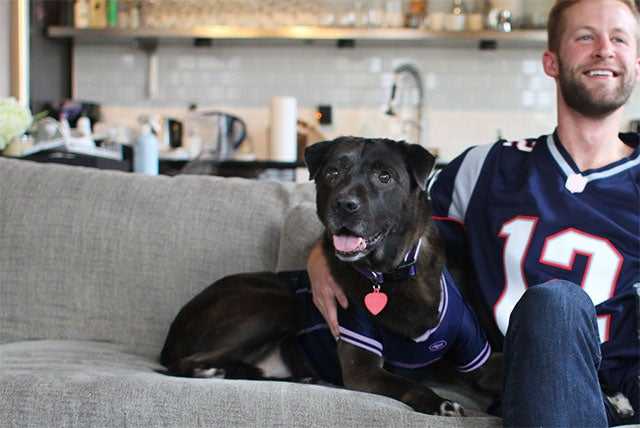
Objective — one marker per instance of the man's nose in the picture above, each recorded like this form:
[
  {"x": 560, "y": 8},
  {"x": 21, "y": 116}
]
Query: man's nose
[{"x": 604, "y": 47}]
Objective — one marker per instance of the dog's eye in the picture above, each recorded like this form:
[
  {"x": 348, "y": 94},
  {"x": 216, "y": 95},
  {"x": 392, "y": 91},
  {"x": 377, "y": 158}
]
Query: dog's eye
[
  {"x": 384, "y": 177},
  {"x": 331, "y": 173}
]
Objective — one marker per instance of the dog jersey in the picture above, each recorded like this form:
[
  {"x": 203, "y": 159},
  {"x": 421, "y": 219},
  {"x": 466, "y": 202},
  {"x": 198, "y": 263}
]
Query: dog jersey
[
  {"x": 456, "y": 337},
  {"x": 525, "y": 214}
]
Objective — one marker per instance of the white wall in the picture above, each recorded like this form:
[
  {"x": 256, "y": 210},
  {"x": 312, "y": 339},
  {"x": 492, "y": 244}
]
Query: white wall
[
  {"x": 5, "y": 58},
  {"x": 471, "y": 96}
]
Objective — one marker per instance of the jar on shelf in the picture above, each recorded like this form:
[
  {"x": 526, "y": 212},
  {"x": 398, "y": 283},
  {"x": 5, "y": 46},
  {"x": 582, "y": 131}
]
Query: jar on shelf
[{"x": 416, "y": 12}]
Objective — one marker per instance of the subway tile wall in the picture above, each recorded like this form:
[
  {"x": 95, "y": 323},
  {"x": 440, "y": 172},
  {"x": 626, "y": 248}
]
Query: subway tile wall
[
  {"x": 241, "y": 76},
  {"x": 470, "y": 95}
]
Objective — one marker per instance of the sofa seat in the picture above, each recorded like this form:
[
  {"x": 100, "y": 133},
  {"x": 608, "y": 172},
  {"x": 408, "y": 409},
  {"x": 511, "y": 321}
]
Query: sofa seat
[{"x": 95, "y": 384}]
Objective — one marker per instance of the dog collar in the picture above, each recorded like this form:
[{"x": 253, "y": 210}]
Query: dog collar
[
  {"x": 377, "y": 300},
  {"x": 406, "y": 270}
]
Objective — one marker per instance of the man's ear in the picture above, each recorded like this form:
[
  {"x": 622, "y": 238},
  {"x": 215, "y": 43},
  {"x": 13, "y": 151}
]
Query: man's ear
[
  {"x": 550, "y": 64},
  {"x": 315, "y": 155},
  {"x": 420, "y": 163}
]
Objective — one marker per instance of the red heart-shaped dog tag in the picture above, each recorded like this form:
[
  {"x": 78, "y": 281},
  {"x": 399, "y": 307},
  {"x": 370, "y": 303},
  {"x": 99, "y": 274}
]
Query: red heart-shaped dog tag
[{"x": 375, "y": 301}]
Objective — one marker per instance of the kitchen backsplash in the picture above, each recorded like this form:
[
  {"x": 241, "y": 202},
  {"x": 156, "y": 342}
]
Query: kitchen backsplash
[{"x": 470, "y": 95}]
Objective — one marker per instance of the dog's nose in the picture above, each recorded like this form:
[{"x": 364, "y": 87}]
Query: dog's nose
[{"x": 349, "y": 204}]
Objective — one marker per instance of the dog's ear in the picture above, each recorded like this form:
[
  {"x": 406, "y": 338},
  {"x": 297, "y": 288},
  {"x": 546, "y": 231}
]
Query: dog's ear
[
  {"x": 420, "y": 163},
  {"x": 315, "y": 155}
]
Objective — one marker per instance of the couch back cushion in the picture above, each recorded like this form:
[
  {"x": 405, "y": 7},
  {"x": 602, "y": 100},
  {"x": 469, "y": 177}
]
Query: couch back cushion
[
  {"x": 110, "y": 256},
  {"x": 300, "y": 231}
]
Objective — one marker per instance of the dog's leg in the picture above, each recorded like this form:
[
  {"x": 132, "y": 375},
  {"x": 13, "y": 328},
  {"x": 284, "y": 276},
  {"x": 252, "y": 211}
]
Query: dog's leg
[
  {"x": 230, "y": 327},
  {"x": 363, "y": 371},
  {"x": 488, "y": 379}
]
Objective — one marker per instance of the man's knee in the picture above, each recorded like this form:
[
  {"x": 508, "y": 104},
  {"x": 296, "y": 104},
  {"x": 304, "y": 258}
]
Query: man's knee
[
  {"x": 552, "y": 303},
  {"x": 558, "y": 294}
]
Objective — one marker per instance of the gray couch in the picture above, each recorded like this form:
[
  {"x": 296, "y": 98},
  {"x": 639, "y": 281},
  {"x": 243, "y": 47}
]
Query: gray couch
[{"x": 94, "y": 265}]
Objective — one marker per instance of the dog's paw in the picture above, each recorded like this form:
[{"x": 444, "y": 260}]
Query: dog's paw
[
  {"x": 450, "y": 408},
  {"x": 209, "y": 373},
  {"x": 621, "y": 405}
]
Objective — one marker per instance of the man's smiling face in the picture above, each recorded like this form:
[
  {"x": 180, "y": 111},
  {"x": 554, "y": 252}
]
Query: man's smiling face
[{"x": 597, "y": 62}]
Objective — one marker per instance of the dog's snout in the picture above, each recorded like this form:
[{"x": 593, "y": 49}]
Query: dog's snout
[{"x": 349, "y": 204}]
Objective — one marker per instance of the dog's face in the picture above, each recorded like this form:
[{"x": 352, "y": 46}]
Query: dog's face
[{"x": 370, "y": 197}]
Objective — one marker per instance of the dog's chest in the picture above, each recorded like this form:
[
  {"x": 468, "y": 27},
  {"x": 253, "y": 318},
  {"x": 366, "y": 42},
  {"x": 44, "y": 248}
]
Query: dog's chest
[
  {"x": 407, "y": 313},
  {"x": 402, "y": 333}
]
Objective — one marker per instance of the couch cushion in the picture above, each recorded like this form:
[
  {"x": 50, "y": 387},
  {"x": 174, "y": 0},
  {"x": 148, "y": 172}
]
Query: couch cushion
[
  {"x": 300, "y": 231},
  {"x": 109, "y": 256},
  {"x": 89, "y": 384}
]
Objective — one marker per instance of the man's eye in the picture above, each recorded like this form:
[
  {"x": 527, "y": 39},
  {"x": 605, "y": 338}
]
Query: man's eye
[
  {"x": 331, "y": 173},
  {"x": 585, "y": 37},
  {"x": 384, "y": 177}
]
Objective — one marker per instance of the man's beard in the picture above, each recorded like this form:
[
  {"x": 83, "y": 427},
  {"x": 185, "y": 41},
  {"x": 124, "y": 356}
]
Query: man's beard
[{"x": 595, "y": 102}]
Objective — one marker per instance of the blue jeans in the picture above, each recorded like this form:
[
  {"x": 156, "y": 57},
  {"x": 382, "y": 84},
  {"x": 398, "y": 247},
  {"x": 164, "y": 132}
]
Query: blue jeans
[{"x": 552, "y": 355}]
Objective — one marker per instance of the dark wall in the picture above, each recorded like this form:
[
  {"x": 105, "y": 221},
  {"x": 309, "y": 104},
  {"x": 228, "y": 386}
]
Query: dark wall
[{"x": 49, "y": 59}]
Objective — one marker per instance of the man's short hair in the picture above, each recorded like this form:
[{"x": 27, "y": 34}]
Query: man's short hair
[{"x": 555, "y": 23}]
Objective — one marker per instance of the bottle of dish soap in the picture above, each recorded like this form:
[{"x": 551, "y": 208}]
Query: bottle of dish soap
[{"x": 145, "y": 152}]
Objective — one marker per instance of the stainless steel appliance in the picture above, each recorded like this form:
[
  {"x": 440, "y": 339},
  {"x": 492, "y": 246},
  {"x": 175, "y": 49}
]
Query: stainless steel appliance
[
  {"x": 221, "y": 134},
  {"x": 217, "y": 135}
]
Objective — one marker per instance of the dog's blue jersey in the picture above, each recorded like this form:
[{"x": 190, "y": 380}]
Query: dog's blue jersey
[
  {"x": 457, "y": 336},
  {"x": 509, "y": 206}
]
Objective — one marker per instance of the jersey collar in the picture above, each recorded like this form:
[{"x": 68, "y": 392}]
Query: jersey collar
[{"x": 569, "y": 167}]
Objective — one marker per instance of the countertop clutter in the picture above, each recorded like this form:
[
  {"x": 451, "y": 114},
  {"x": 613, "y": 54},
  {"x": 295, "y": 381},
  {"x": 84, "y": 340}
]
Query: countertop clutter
[{"x": 200, "y": 142}]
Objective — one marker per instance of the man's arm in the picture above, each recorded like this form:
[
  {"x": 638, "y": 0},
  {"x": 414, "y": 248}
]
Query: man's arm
[{"x": 324, "y": 289}]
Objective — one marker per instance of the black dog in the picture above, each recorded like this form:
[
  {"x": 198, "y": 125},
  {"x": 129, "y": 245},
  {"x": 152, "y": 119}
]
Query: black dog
[{"x": 383, "y": 252}]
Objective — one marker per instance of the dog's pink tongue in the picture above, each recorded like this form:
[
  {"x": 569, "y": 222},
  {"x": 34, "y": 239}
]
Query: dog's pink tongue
[{"x": 348, "y": 244}]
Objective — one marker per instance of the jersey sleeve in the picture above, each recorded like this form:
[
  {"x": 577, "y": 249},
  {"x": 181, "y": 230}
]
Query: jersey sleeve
[
  {"x": 441, "y": 186},
  {"x": 356, "y": 329},
  {"x": 450, "y": 191},
  {"x": 471, "y": 348}
]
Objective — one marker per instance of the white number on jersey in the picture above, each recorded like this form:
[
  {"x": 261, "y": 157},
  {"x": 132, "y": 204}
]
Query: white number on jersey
[{"x": 559, "y": 250}]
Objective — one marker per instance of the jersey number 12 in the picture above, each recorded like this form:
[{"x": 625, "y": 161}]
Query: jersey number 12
[{"x": 559, "y": 250}]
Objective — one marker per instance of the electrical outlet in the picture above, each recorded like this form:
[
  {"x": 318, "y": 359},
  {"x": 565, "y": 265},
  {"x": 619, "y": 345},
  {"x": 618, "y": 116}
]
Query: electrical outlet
[{"x": 324, "y": 115}]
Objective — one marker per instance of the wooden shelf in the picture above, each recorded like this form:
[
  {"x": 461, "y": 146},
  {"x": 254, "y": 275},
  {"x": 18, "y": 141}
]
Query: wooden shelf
[{"x": 515, "y": 39}]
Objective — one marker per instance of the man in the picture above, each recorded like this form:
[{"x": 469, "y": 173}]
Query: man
[{"x": 538, "y": 216}]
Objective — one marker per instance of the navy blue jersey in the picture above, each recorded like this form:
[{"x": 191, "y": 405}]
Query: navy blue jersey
[
  {"x": 456, "y": 337},
  {"x": 525, "y": 214}
]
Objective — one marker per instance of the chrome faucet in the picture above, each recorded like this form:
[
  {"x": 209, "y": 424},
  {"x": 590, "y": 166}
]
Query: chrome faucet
[{"x": 400, "y": 87}]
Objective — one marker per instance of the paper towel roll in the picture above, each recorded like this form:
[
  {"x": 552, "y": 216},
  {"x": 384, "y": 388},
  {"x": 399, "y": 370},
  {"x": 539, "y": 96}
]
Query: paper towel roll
[{"x": 284, "y": 135}]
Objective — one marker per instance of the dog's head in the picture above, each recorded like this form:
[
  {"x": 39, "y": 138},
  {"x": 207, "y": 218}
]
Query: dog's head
[{"x": 370, "y": 197}]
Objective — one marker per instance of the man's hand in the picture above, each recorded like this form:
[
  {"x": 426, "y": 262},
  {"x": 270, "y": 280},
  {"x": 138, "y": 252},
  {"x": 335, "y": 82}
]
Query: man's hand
[{"x": 324, "y": 289}]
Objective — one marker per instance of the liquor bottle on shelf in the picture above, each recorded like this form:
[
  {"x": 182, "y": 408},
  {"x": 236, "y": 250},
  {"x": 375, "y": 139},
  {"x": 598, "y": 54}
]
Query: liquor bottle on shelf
[
  {"x": 98, "y": 13},
  {"x": 81, "y": 14}
]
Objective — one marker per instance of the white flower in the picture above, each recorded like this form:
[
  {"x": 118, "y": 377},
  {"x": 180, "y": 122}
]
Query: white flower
[{"x": 14, "y": 120}]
